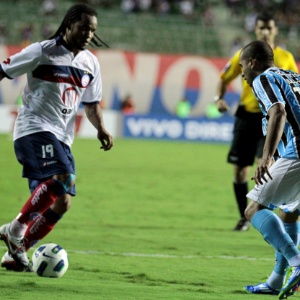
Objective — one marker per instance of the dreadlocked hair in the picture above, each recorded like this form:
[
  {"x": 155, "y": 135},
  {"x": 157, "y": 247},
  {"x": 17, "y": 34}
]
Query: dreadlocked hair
[{"x": 73, "y": 15}]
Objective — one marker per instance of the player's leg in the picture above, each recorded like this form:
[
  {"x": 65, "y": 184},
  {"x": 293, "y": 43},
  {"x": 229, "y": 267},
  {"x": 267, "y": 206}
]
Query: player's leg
[
  {"x": 276, "y": 279},
  {"x": 40, "y": 226},
  {"x": 273, "y": 231},
  {"x": 44, "y": 157},
  {"x": 41, "y": 155},
  {"x": 45, "y": 219},
  {"x": 282, "y": 189},
  {"x": 240, "y": 187},
  {"x": 44, "y": 223},
  {"x": 242, "y": 155},
  {"x": 13, "y": 233},
  {"x": 292, "y": 227}
]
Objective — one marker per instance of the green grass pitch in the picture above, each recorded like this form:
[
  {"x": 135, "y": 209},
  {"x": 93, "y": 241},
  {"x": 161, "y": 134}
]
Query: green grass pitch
[{"x": 151, "y": 220}]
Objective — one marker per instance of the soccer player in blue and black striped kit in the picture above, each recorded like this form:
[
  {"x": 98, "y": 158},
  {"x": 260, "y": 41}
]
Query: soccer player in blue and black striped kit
[{"x": 277, "y": 184}]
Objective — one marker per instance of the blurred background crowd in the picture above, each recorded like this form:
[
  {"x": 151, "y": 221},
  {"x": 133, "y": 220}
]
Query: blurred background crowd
[{"x": 213, "y": 28}]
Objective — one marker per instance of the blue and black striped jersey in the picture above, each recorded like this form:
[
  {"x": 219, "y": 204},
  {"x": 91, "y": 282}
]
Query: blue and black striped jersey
[{"x": 280, "y": 86}]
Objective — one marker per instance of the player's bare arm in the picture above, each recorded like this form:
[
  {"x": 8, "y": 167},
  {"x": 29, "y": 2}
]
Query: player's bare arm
[
  {"x": 94, "y": 114},
  {"x": 277, "y": 117}
]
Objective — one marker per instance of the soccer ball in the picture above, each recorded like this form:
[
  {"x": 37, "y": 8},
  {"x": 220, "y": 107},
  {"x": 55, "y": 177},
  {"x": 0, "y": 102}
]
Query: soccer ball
[{"x": 50, "y": 260}]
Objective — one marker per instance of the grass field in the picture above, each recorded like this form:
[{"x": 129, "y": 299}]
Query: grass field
[{"x": 151, "y": 220}]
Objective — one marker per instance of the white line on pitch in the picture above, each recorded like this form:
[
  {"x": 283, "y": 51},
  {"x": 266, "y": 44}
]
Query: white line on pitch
[{"x": 160, "y": 255}]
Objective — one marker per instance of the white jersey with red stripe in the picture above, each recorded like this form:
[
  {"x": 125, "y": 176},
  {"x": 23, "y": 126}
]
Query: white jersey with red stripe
[{"x": 57, "y": 82}]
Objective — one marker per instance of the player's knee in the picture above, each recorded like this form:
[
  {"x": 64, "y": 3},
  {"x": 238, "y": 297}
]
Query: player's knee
[
  {"x": 289, "y": 217},
  {"x": 247, "y": 214},
  {"x": 66, "y": 180},
  {"x": 251, "y": 209}
]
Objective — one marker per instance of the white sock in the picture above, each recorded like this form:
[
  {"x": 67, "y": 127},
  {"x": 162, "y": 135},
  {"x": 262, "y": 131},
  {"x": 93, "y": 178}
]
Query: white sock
[
  {"x": 294, "y": 261},
  {"x": 275, "y": 281},
  {"x": 17, "y": 229}
]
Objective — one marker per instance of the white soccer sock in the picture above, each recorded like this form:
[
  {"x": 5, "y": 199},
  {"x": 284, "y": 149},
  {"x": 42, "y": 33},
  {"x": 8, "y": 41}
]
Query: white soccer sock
[
  {"x": 17, "y": 229},
  {"x": 275, "y": 280},
  {"x": 294, "y": 261}
]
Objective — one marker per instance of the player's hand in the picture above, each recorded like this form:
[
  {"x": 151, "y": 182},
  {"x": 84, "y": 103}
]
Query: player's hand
[
  {"x": 262, "y": 173},
  {"x": 222, "y": 105},
  {"x": 105, "y": 139}
]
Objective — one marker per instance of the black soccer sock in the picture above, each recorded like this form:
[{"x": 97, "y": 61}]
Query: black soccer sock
[{"x": 241, "y": 190}]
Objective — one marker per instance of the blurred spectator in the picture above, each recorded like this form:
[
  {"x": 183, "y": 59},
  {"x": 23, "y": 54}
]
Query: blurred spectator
[
  {"x": 128, "y": 6},
  {"x": 105, "y": 3},
  {"x": 162, "y": 6},
  {"x": 144, "y": 5},
  {"x": 236, "y": 45},
  {"x": 183, "y": 108},
  {"x": 281, "y": 42},
  {"x": 46, "y": 31},
  {"x": 26, "y": 35},
  {"x": 49, "y": 7},
  {"x": 186, "y": 7},
  {"x": 2, "y": 34},
  {"x": 249, "y": 23},
  {"x": 127, "y": 105},
  {"x": 209, "y": 16},
  {"x": 234, "y": 7}
]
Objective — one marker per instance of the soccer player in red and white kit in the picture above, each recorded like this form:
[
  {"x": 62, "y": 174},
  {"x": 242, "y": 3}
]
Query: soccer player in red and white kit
[{"x": 61, "y": 74}]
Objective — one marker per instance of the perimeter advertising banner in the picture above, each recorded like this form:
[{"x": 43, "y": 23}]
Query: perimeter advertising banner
[{"x": 170, "y": 128}]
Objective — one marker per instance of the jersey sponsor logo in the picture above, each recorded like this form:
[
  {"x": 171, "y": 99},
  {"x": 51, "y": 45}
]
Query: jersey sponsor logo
[
  {"x": 67, "y": 111},
  {"x": 79, "y": 119},
  {"x": 62, "y": 75},
  {"x": 7, "y": 61}
]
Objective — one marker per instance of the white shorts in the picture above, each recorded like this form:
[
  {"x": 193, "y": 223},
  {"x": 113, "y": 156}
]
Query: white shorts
[{"x": 284, "y": 190}]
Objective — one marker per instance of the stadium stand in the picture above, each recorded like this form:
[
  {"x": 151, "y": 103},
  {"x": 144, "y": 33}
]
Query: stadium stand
[{"x": 212, "y": 29}]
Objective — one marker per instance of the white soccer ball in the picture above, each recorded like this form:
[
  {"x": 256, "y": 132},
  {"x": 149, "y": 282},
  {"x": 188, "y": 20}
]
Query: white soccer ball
[{"x": 50, "y": 260}]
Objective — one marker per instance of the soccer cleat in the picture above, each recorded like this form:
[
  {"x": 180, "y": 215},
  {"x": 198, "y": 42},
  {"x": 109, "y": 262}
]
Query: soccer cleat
[
  {"x": 16, "y": 249},
  {"x": 8, "y": 262},
  {"x": 242, "y": 225},
  {"x": 291, "y": 285},
  {"x": 261, "y": 288}
]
